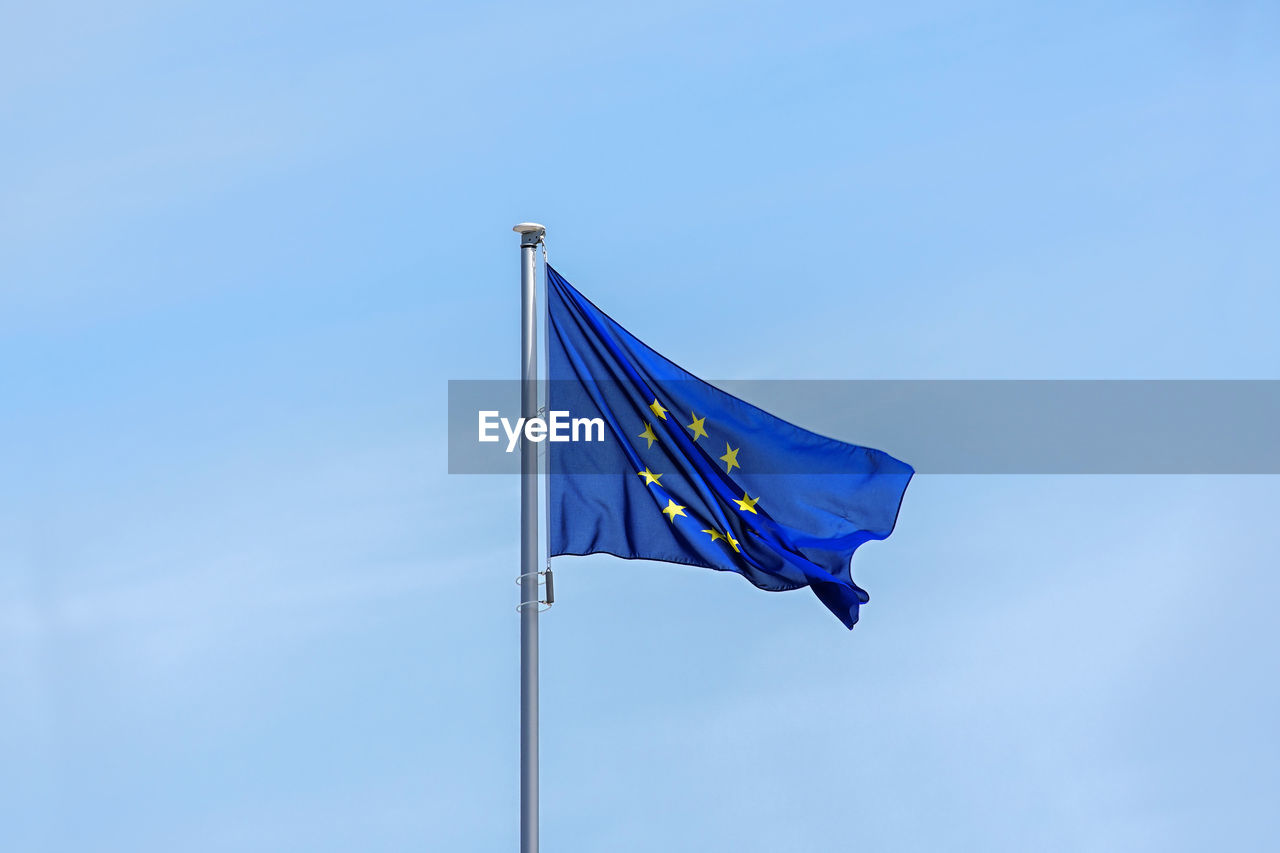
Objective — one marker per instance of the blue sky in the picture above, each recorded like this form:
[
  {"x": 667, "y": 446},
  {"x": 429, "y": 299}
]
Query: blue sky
[{"x": 242, "y": 249}]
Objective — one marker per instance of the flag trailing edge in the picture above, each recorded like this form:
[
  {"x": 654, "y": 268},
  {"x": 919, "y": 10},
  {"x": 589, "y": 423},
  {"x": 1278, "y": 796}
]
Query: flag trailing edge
[{"x": 780, "y": 505}]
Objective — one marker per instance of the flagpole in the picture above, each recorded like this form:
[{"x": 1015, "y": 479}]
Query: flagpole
[{"x": 531, "y": 235}]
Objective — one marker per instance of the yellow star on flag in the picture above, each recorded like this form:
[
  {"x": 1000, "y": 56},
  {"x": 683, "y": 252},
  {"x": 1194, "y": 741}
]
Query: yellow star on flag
[
  {"x": 673, "y": 509},
  {"x": 649, "y": 477},
  {"x": 657, "y": 409},
  {"x": 730, "y": 458},
  {"x": 648, "y": 433},
  {"x": 732, "y": 541},
  {"x": 715, "y": 534},
  {"x": 747, "y": 504},
  {"x": 698, "y": 430}
]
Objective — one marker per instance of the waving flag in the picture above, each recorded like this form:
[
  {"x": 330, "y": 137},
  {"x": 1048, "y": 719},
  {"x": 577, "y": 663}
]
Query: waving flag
[{"x": 690, "y": 474}]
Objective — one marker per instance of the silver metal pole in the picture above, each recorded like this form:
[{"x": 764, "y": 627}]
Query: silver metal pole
[{"x": 531, "y": 235}]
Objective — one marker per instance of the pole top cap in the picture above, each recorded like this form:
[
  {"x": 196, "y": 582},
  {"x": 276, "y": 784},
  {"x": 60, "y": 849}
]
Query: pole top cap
[{"x": 531, "y": 233}]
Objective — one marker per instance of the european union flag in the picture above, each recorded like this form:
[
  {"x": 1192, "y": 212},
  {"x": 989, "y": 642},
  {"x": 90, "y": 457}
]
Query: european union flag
[{"x": 690, "y": 474}]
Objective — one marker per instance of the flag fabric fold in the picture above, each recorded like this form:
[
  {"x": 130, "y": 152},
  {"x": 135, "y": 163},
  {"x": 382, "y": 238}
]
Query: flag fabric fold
[{"x": 691, "y": 474}]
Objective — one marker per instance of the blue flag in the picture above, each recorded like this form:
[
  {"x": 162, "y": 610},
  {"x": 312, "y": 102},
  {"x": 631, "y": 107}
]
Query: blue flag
[{"x": 687, "y": 473}]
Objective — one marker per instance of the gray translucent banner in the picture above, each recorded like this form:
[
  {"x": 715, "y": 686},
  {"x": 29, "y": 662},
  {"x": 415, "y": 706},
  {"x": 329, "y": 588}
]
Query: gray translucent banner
[{"x": 976, "y": 426}]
